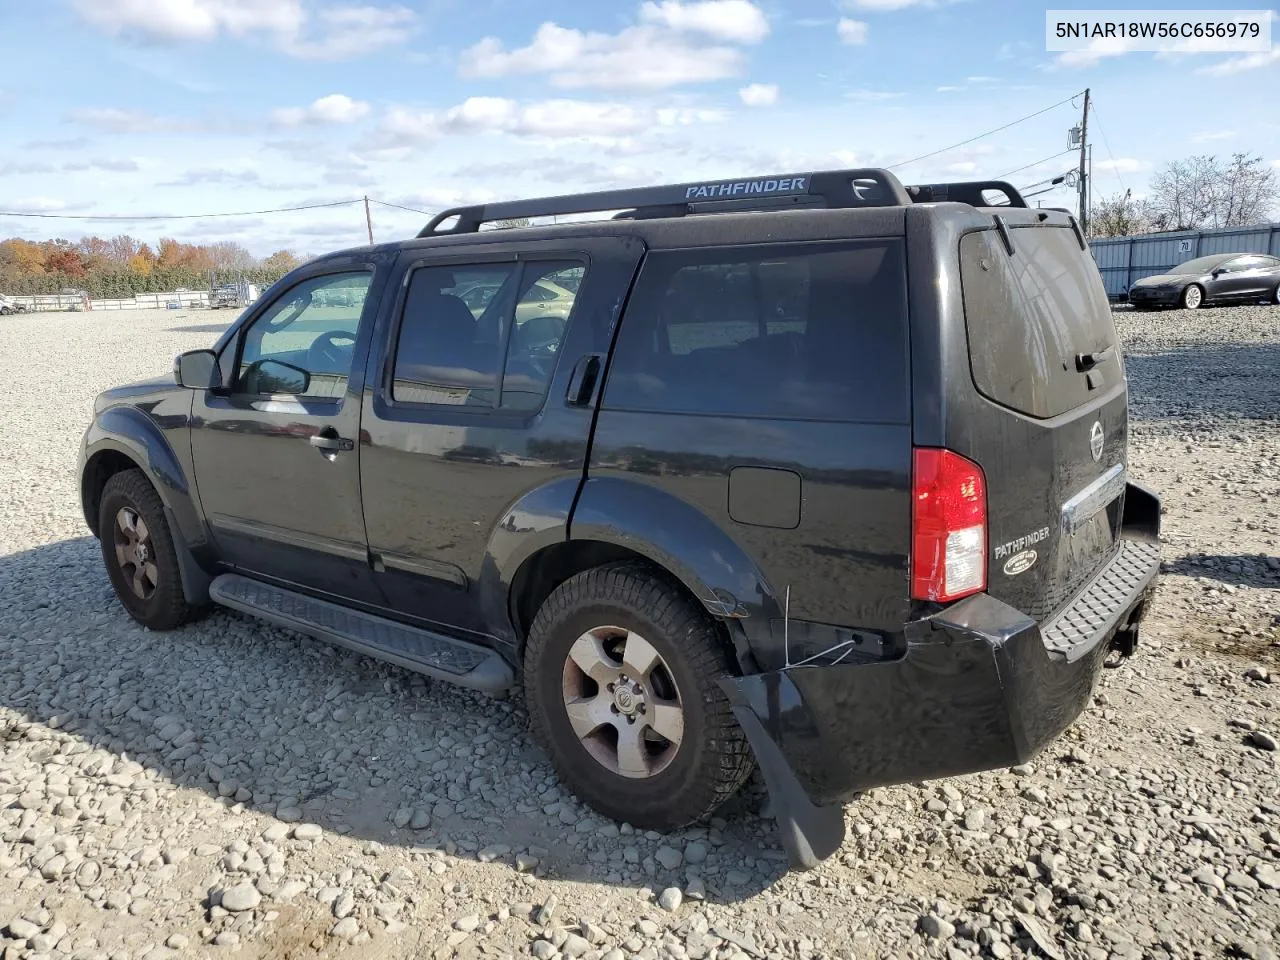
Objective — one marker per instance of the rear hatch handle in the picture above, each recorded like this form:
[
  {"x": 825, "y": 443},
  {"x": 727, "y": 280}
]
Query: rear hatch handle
[{"x": 1087, "y": 361}]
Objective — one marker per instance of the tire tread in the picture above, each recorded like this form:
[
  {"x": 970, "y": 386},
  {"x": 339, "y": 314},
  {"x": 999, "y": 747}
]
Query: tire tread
[{"x": 638, "y": 586}]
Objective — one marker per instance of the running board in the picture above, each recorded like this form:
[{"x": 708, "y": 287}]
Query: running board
[{"x": 413, "y": 648}]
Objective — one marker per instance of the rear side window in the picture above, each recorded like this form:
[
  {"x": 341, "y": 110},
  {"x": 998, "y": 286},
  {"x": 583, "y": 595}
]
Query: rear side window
[
  {"x": 799, "y": 331},
  {"x": 1037, "y": 319},
  {"x": 484, "y": 335}
]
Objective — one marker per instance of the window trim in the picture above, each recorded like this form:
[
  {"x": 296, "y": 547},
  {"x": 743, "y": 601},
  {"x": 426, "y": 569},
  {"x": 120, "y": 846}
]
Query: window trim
[
  {"x": 464, "y": 413},
  {"x": 242, "y": 334}
]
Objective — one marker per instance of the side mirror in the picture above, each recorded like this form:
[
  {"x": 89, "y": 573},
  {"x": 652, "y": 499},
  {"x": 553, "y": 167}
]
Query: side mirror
[{"x": 197, "y": 370}]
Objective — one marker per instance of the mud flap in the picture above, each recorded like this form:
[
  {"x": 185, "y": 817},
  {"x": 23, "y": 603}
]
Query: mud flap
[
  {"x": 195, "y": 582},
  {"x": 809, "y": 833}
]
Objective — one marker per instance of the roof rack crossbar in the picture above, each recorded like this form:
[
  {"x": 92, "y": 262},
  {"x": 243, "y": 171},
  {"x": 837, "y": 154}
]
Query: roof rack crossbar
[
  {"x": 970, "y": 192},
  {"x": 831, "y": 188}
]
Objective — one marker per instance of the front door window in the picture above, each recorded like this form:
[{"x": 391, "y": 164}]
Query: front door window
[{"x": 304, "y": 343}]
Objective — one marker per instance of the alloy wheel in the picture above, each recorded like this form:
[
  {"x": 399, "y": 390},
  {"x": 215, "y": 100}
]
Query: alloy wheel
[
  {"x": 622, "y": 702},
  {"x": 135, "y": 553}
]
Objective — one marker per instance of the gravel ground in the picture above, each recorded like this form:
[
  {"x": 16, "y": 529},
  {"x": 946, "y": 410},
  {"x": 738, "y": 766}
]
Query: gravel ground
[{"x": 234, "y": 789}]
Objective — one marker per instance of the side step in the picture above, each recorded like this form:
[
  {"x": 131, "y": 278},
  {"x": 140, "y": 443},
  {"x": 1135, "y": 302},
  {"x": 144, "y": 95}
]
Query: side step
[{"x": 415, "y": 649}]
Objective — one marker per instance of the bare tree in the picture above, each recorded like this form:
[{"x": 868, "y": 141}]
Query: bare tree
[
  {"x": 1205, "y": 192},
  {"x": 1182, "y": 194},
  {"x": 1119, "y": 215},
  {"x": 229, "y": 255},
  {"x": 1245, "y": 192}
]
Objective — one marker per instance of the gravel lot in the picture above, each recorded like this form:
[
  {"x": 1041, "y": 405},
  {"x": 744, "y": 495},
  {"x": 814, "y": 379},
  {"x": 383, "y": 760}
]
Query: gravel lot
[{"x": 233, "y": 789}]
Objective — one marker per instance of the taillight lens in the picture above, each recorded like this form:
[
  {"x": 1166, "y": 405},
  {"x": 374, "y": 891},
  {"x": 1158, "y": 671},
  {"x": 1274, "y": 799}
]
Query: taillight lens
[{"x": 948, "y": 526}]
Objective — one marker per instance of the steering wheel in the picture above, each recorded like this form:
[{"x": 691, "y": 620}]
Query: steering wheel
[{"x": 331, "y": 352}]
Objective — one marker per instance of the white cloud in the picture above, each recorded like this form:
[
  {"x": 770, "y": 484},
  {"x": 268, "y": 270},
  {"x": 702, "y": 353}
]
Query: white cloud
[
  {"x": 655, "y": 53},
  {"x": 1250, "y": 61},
  {"x": 871, "y": 96},
  {"x": 103, "y": 164},
  {"x": 349, "y": 32},
  {"x": 962, "y": 167},
  {"x": 561, "y": 119},
  {"x": 35, "y": 205},
  {"x": 192, "y": 19},
  {"x": 1208, "y": 136},
  {"x": 759, "y": 94},
  {"x": 201, "y": 175},
  {"x": 737, "y": 21},
  {"x": 1122, "y": 165},
  {"x": 335, "y": 108},
  {"x": 852, "y": 32},
  {"x": 22, "y": 168},
  {"x": 947, "y": 89},
  {"x": 883, "y": 5},
  {"x": 115, "y": 120},
  {"x": 334, "y": 33}
]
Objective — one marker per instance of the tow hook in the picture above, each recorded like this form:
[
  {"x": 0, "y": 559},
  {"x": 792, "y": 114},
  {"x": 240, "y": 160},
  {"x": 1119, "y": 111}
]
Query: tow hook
[{"x": 1124, "y": 643}]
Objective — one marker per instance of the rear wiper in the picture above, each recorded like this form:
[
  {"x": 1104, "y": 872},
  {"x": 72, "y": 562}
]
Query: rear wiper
[{"x": 1087, "y": 361}]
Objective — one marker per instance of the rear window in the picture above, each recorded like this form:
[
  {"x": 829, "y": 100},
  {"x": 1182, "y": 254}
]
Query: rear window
[
  {"x": 796, "y": 331},
  {"x": 1037, "y": 321}
]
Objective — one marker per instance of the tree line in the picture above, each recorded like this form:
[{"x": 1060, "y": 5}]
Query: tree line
[
  {"x": 122, "y": 266},
  {"x": 1199, "y": 193}
]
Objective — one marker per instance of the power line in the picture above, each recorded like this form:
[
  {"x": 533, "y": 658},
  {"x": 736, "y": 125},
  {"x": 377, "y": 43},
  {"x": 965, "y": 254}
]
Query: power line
[
  {"x": 1114, "y": 166},
  {"x": 1036, "y": 164},
  {"x": 174, "y": 216},
  {"x": 963, "y": 143},
  {"x": 398, "y": 207}
]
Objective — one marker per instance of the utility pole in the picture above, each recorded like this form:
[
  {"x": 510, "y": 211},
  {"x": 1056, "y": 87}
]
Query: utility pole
[
  {"x": 368, "y": 220},
  {"x": 1084, "y": 172}
]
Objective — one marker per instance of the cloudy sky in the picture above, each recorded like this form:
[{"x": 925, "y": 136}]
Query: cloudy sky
[{"x": 132, "y": 107}]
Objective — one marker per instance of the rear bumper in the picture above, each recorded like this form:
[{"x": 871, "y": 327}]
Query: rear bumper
[{"x": 981, "y": 686}]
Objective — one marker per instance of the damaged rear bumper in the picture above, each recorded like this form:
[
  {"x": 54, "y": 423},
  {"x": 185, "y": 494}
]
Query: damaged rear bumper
[{"x": 981, "y": 686}]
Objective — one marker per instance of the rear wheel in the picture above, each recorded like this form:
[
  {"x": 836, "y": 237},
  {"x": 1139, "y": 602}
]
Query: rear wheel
[
  {"x": 138, "y": 551},
  {"x": 620, "y": 682},
  {"x": 1192, "y": 297},
  {"x": 1275, "y": 295}
]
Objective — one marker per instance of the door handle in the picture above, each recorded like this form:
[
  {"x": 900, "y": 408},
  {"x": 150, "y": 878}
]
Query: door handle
[
  {"x": 582, "y": 382},
  {"x": 328, "y": 441}
]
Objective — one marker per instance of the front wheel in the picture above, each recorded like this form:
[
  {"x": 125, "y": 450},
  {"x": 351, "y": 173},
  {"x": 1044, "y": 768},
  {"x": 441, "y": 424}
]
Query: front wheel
[
  {"x": 1192, "y": 297},
  {"x": 139, "y": 555},
  {"x": 620, "y": 681}
]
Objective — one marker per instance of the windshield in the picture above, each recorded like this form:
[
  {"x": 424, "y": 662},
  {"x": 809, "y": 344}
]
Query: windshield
[{"x": 1202, "y": 264}]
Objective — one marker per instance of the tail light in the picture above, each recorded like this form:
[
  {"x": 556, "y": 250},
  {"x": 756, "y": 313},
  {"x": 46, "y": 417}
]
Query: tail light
[{"x": 948, "y": 526}]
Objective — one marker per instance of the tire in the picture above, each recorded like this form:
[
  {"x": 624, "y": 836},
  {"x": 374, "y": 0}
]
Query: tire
[
  {"x": 1192, "y": 297},
  {"x": 151, "y": 590},
  {"x": 1275, "y": 295},
  {"x": 595, "y": 611}
]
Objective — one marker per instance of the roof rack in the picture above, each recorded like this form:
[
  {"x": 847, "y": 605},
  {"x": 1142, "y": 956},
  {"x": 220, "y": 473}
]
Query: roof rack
[
  {"x": 833, "y": 189},
  {"x": 970, "y": 192}
]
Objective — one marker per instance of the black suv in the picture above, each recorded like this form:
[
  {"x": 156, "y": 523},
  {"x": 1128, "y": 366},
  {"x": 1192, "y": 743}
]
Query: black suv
[{"x": 813, "y": 471}]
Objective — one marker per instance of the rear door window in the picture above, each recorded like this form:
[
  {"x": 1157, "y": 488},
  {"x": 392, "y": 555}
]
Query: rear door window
[
  {"x": 800, "y": 331},
  {"x": 1038, "y": 321}
]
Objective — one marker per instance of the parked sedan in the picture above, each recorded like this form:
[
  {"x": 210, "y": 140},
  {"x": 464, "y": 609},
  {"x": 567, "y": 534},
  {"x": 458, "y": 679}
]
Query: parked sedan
[{"x": 1221, "y": 278}]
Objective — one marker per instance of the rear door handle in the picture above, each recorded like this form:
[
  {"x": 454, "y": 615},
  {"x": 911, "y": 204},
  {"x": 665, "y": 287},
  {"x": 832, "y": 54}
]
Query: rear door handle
[
  {"x": 1087, "y": 361},
  {"x": 582, "y": 382}
]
